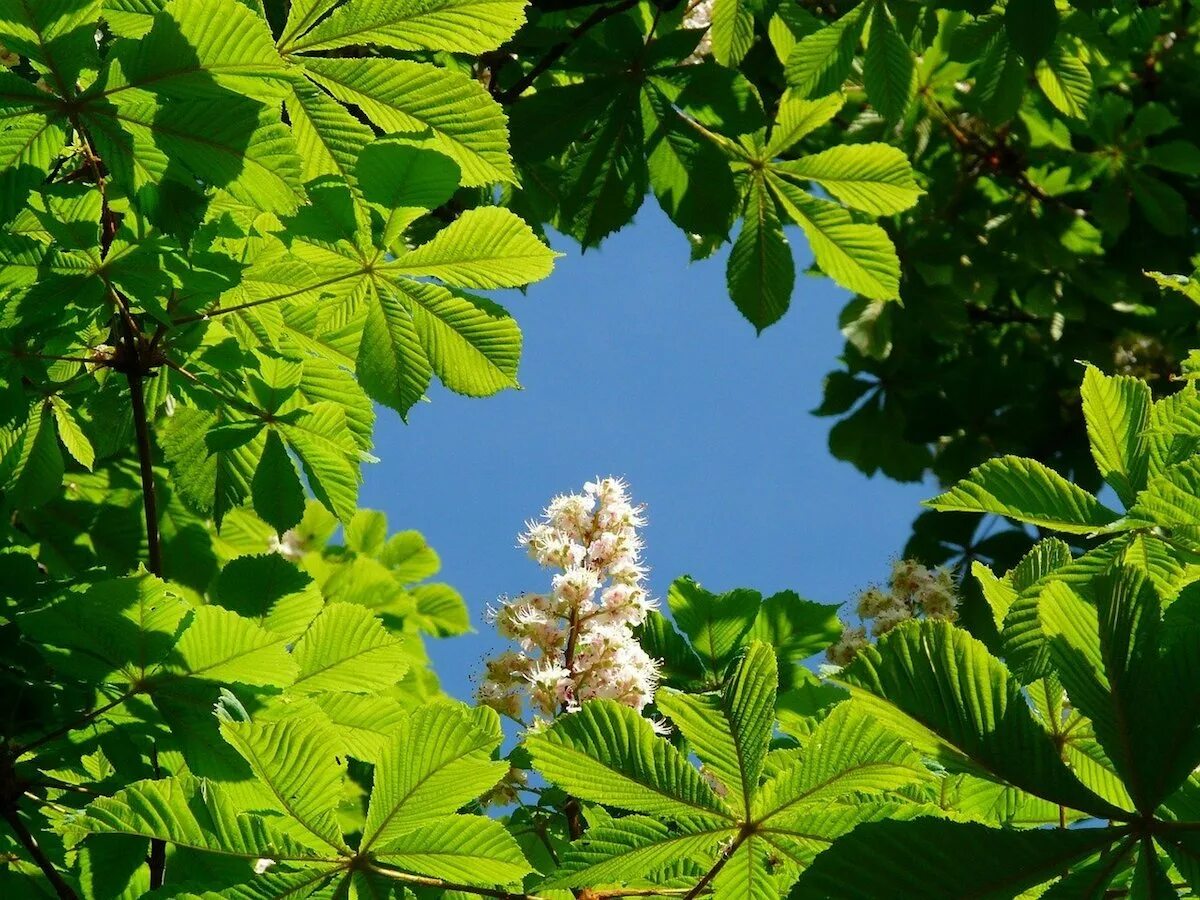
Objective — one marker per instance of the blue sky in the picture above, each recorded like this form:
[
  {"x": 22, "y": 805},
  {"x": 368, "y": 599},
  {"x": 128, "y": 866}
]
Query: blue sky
[{"x": 637, "y": 364}]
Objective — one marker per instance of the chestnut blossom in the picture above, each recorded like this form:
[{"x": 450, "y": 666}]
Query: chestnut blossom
[
  {"x": 913, "y": 591},
  {"x": 576, "y": 641}
]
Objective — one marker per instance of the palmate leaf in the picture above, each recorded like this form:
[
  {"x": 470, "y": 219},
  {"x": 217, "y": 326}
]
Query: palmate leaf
[
  {"x": 194, "y": 46},
  {"x": 760, "y": 272},
  {"x": 1026, "y": 490},
  {"x": 220, "y": 645},
  {"x": 932, "y": 858},
  {"x": 731, "y": 732},
  {"x": 732, "y": 31},
  {"x": 977, "y": 721},
  {"x": 607, "y": 753},
  {"x": 750, "y": 874},
  {"x": 1171, "y": 501}
]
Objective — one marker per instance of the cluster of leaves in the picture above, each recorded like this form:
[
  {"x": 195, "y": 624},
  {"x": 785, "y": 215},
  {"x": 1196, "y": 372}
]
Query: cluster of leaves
[
  {"x": 1048, "y": 165},
  {"x": 1053, "y": 756},
  {"x": 227, "y": 227}
]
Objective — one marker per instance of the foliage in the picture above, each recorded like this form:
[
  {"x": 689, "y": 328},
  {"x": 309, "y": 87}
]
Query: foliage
[
  {"x": 230, "y": 228},
  {"x": 1048, "y": 165}
]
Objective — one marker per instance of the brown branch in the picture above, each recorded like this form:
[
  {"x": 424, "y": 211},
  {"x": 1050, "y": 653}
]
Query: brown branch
[
  {"x": 78, "y": 723},
  {"x": 712, "y": 873},
  {"x": 555, "y": 53},
  {"x": 61, "y": 888}
]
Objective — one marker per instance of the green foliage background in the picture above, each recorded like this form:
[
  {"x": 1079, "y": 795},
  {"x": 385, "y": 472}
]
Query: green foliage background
[{"x": 230, "y": 228}]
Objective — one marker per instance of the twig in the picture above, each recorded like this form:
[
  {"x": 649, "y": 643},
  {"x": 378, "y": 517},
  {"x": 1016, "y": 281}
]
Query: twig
[
  {"x": 68, "y": 728},
  {"x": 23, "y": 834},
  {"x": 425, "y": 881},
  {"x": 555, "y": 53}
]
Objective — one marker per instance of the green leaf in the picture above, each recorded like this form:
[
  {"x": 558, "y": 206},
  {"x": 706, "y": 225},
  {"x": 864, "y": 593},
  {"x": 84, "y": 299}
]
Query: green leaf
[
  {"x": 472, "y": 344},
  {"x": 33, "y": 465},
  {"x": 462, "y": 849},
  {"x": 689, "y": 175},
  {"x": 798, "y": 117},
  {"x": 270, "y": 590},
  {"x": 933, "y": 858},
  {"x": 222, "y": 141},
  {"x": 731, "y": 732},
  {"x": 55, "y": 35},
  {"x": 1117, "y": 411},
  {"x": 392, "y": 365},
  {"x": 848, "y": 753},
  {"x": 716, "y": 624},
  {"x": 1099, "y": 652},
  {"x": 941, "y": 690},
  {"x": 71, "y": 434},
  {"x": 434, "y": 763},
  {"x": 347, "y": 649},
  {"x": 875, "y": 178},
  {"x": 296, "y": 770},
  {"x": 859, "y": 257},
  {"x": 605, "y": 176},
  {"x": 796, "y": 628},
  {"x": 276, "y": 490},
  {"x": 196, "y": 47},
  {"x": 1000, "y": 79},
  {"x": 607, "y": 753},
  {"x": 1025, "y": 490},
  {"x": 1172, "y": 501},
  {"x": 732, "y": 31},
  {"x": 118, "y": 630},
  {"x": 220, "y": 645},
  {"x": 410, "y": 557},
  {"x": 761, "y": 273},
  {"x": 456, "y": 114},
  {"x": 460, "y": 26},
  {"x": 624, "y": 849},
  {"x": 488, "y": 247},
  {"x": 440, "y": 611},
  {"x": 820, "y": 62},
  {"x": 320, "y": 438},
  {"x": 1066, "y": 82},
  {"x": 889, "y": 68},
  {"x": 186, "y": 812}
]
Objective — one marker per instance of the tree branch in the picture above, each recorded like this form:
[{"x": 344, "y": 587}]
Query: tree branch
[
  {"x": 23, "y": 834},
  {"x": 554, "y": 54},
  {"x": 425, "y": 881}
]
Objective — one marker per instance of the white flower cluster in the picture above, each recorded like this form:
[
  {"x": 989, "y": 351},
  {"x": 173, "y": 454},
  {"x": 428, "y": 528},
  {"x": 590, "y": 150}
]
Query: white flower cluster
[
  {"x": 699, "y": 15},
  {"x": 577, "y": 642},
  {"x": 914, "y": 591}
]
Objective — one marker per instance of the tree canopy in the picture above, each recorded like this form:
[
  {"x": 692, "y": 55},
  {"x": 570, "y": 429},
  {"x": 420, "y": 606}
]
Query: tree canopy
[{"x": 231, "y": 230}]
